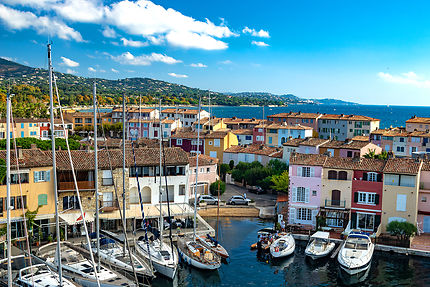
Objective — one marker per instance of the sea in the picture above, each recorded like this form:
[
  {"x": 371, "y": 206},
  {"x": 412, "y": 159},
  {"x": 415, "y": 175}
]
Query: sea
[
  {"x": 244, "y": 268},
  {"x": 389, "y": 115}
]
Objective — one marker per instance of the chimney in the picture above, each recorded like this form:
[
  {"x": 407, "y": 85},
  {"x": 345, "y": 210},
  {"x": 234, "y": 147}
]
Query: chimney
[
  {"x": 33, "y": 146},
  {"x": 19, "y": 151}
]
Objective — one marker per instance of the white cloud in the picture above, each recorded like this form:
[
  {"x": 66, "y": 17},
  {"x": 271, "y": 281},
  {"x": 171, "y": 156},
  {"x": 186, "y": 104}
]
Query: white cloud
[
  {"x": 69, "y": 63},
  {"x": 17, "y": 20},
  {"x": 87, "y": 11},
  {"x": 259, "y": 43},
  {"x": 132, "y": 43},
  {"x": 31, "y": 3},
  {"x": 91, "y": 69},
  {"x": 178, "y": 75},
  {"x": 409, "y": 78},
  {"x": 186, "y": 39},
  {"x": 226, "y": 62},
  {"x": 255, "y": 33},
  {"x": 198, "y": 65},
  {"x": 115, "y": 71},
  {"x": 8, "y": 58},
  {"x": 144, "y": 60},
  {"x": 70, "y": 71},
  {"x": 108, "y": 32}
]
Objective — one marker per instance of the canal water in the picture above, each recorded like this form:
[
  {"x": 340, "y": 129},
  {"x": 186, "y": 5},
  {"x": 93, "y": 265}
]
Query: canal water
[{"x": 245, "y": 269}]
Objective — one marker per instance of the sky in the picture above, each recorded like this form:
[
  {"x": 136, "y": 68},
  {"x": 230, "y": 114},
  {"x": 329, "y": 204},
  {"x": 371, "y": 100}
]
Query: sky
[{"x": 370, "y": 52}]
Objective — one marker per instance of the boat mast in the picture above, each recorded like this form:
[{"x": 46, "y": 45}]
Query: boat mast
[
  {"x": 54, "y": 165},
  {"x": 197, "y": 170},
  {"x": 160, "y": 196},
  {"x": 9, "y": 234},
  {"x": 96, "y": 177},
  {"x": 123, "y": 168}
]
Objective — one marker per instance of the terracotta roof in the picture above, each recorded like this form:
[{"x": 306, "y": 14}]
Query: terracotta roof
[
  {"x": 255, "y": 149},
  {"x": 298, "y": 115},
  {"x": 347, "y": 117},
  {"x": 391, "y": 132},
  {"x": 133, "y": 110},
  {"x": 234, "y": 120},
  {"x": 293, "y": 142},
  {"x": 288, "y": 127},
  {"x": 307, "y": 159},
  {"x": 418, "y": 120},
  {"x": 204, "y": 160},
  {"x": 142, "y": 121},
  {"x": 186, "y": 133},
  {"x": 206, "y": 120},
  {"x": 341, "y": 163},
  {"x": 313, "y": 141},
  {"x": 346, "y": 145},
  {"x": 242, "y": 132},
  {"x": 426, "y": 165},
  {"x": 403, "y": 166},
  {"x": 361, "y": 138},
  {"x": 263, "y": 124},
  {"x": 167, "y": 121},
  {"x": 218, "y": 134},
  {"x": 30, "y": 158}
]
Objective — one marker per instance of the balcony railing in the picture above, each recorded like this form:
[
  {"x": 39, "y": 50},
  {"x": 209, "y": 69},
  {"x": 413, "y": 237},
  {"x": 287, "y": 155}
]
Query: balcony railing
[
  {"x": 335, "y": 203},
  {"x": 108, "y": 206},
  {"x": 70, "y": 186}
]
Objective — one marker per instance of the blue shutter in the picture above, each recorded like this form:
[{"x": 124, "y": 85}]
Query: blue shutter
[
  {"x": 36, "y": 176},
  {"x": 48, "y": 176}
]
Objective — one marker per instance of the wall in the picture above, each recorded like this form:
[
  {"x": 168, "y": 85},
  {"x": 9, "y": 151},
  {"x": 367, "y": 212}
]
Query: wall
[
  {"x": 206, "y": 177},
  {"x": 345, "y": 187}
]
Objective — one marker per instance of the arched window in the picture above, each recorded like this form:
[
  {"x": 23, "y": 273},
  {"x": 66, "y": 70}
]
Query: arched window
[
  {"x": 332, "y": 174},
  {"x": 283, "y": 140},
  {"x": 343, "y": 175}
]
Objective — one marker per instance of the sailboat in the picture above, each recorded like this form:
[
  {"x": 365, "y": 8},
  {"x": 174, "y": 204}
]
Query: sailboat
[
  {"x": 191, "y": 250},
  {"x": 162, "y": 255}
]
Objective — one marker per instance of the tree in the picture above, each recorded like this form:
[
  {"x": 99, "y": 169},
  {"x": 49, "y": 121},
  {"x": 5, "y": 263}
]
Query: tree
[
  {"x": 224, "y": 169},
  {"x": 277, "y": 166},
  {"x": 2, "y": 170},
  {"x": 219, "y": 184},
  {"x": 371, "y": 154},
  {"x": 281, "y": 182},
  {"x": 254, "y": 175},
  {"x": 403, "y": 230},
  {"x": 231, "y": 164}
]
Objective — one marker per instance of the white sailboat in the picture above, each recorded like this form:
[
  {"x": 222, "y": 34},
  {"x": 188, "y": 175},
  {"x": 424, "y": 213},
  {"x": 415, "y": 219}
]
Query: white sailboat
[
  {"x": 356, "y": 253},
  {"x": 191, "y": 251},
  {"x": 319, "y": 246},
  {"x": 283, "y": 246},
  {"x": 162, "y": 256}
]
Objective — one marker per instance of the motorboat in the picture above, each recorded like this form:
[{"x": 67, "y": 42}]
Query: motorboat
[
  {"x": 211, "y": 243},
  {"x": 79, "y": 269},
  {"x": 265, "y": 237},
  {"x": 115, "y": 256},
  {"x": 163, "y": 258},
  {"x": 356, "y": 253},
  {"x": 197, "y": 255},
  {"x": 319, "y": 245},
  {"x": 283, "y": 246}
]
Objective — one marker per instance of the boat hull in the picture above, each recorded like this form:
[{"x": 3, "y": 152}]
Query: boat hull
[
  {"x": 316, "y": 256},
  {"x": 356, "y": 270},
  {"x": 167, "y": 270},
  {"x": 190, "y": 261},
  {"x": 275, "y": 252}
]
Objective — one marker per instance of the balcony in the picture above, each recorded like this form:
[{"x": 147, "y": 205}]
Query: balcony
[
  {"x": 109, "y": 206},
  {"x": 70, "y": 186},
  {"x": 335, "y": 203}
]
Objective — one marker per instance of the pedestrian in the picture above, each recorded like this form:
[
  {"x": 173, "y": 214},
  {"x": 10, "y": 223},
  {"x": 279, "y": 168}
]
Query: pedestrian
[
  {"x": 244, "y": 195},
  {"x": 282, "y": 225}
]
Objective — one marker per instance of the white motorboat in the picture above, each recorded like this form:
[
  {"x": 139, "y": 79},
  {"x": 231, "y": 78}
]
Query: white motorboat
[
  {"x": 319, "y": 246},
  {"x": 164, "y": 259},
  {"x": 79, "y": 269},
  {"x": 356, "y": 253},
  {"x": 283, "y": 246},
  {"x": 112, "y": 254},
  {"x": 195, "y": 254}
]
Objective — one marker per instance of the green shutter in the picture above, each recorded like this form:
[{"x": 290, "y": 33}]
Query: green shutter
[{"x": 42, "y": 199}]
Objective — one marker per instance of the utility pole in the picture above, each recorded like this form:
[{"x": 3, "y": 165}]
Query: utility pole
[{"x": 96, "y": 177}]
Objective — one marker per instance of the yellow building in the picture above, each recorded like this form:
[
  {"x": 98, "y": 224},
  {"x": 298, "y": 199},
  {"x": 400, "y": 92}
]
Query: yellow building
[
  {"x": 210, "y": 124},
  {"x": 401, "y": 188},
  {"x": 35, "y": 174},
  {"x": 218, "y": 141},
  {"x": 85, "y": 119},
  {"x": 22, "y": 128}
]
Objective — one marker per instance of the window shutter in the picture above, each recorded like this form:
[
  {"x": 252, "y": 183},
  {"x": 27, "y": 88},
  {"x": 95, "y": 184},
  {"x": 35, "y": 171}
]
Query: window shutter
[
  {"x": 312, "y": 171},
  {"x": 294, "y": 195},
  {"x": 314, "y": 216},
  {"x": 48, "y": 176},
  {"x": 36, "y": 176},
  {"x": 42, "y": 199},
  {"x": 76, "y": 202},
  {"x": 365, "y": 176},
  {"x": 292, "y": 218},
  {"x": 377, "y": 222},
  {"x": 377, "y": 199},
  {"x": 299, "y": 171},
  {"x": 354, "y": 219},
  {"x": 65, "y": 202},
  {"x": 307, "y": 195},
  {"x": 355, "y": 196},
  {"x": 379, "y": 177}
]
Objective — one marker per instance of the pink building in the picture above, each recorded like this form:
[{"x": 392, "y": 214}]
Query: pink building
[
  {"x": 423, "y": 218},
  {"x": 306, "y": 146},
  {"x": 305, "y": 188},
  {"x": 207, "y": 174}
]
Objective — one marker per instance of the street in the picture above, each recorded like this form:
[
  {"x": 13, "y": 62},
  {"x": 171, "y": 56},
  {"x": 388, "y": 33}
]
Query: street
[{"x": 261, "y": 200}]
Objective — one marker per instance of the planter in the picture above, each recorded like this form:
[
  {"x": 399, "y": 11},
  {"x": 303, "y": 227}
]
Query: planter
[
  {"x": 251, "y": 203},
  {"x": 203, "y": 204}
]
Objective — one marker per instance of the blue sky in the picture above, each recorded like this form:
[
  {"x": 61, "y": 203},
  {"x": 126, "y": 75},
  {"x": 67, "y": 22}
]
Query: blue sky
[{"x": 371, "y": 52}]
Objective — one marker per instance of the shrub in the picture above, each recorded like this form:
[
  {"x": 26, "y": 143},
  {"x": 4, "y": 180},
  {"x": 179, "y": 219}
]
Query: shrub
[
  {"x": 403, "y": 230},
  {"x": 231, "y": 164},
  {"x": 224, "y": 169},
  {"x": 214, "y": 188}
]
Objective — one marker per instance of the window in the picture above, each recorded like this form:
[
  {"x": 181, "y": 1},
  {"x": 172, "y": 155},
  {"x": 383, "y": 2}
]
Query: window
[
  {"x": 349, "y": 153},
  {"x": 42, "y": 199},
  {"x": 402, "y": 140},
  {"x": 301, "y": 194},
  {"x": 166, "y": 126},
  {"x": 366, "y": 221},
  {"x": 21, "y": 202},
  {"x": 42, "y": 176},
  {"x": 88, "y": 120},
  {"x": 304, "y": 214},
  {"x": 343, "y": 175},
  {"x": 372, "y": 176},
  {"x": 217, "y": 142},
  {"x": 182, "y": 189},
  {"x": 366, "y": 198},
  {"x": 314, "y": 193},
  {"x": 22, "y": 134},
  {"x": 70, "y": 202},
  {"x": 210, "y": 142},
  {"x": 12, "y": 203},
  {"x": 22, "y": 125},
  {"x": 270, "y": 140},
  {"x": 424, "y": 199},
  {"x": 401, "y": 202},
  {"x": 306, "y": 171},
  {"x": 401, "y": 149},
  {"x": 208, "y": 170},
  {"x": 15, "y": 178},
  {"x": 399, "y": 180},
  {"x": 332, "y": 174},
  {"x": 248, "y": 138},
  {"x": 30, "y": 125},
  {"x": 213, "y": 154},
  {"x": 107, "y": 177}
]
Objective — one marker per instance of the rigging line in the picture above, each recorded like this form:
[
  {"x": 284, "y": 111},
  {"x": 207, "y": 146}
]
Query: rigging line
[
  {"x": 117, "y": 199},
  {"x": 75, "y": 181},
  {"x": 167, "y": 188},
  {"x": 20, "y": 190},
  {"x": 141, "y": 207}
]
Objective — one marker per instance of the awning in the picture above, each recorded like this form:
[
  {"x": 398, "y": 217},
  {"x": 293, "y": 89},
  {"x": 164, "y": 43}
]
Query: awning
[
  {"x": 72, "y": 218},
  {"x": 321, "y": 234},
  {"x": 151, "y": 211}
]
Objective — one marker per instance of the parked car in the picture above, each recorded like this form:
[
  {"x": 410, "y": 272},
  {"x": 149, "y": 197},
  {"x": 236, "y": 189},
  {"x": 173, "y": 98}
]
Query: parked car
[
  {"x": 209, "y": 199},
  {"x": 256, "y": 189},
  {"x": 238, "y": 199}
]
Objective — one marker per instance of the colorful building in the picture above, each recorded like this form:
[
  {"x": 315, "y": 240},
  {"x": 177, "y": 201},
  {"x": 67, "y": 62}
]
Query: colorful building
[
  {"x": 305, "y": 146},
  {"x": 244, "y": 136},
  {"x": 277, "y": 134},
  {"x": 186, "y": 139},
  {"x": 292, "y": 118},
  {"x": 418, "y": 124},
  {"x": 348, "y": 148},
  {"x": 217, "y": 142},
  {"x": 208, "y": 167},
  {"x": 342, "y": 127},
  {"x": 250, "y": 153}
]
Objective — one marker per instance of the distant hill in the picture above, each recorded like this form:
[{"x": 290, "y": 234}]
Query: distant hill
[{"x": 333, "y": 102}]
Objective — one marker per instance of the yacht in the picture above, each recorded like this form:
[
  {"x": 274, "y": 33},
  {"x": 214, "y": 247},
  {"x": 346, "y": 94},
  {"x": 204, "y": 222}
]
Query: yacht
[
  {"x": 319, "y": 246},
  {"x": 356, "y": 253},
  {"x": 283, "y": 246}
]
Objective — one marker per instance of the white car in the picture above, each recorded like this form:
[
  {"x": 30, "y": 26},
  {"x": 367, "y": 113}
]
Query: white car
[
  {"x": 238, "y": 199},
  {"x": 209, "y": 199}
]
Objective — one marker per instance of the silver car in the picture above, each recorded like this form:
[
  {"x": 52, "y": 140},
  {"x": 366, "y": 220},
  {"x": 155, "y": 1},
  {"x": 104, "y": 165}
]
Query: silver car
[
  {"x": 238, "y": 199},
  {"x": 209, "y": 199}
]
